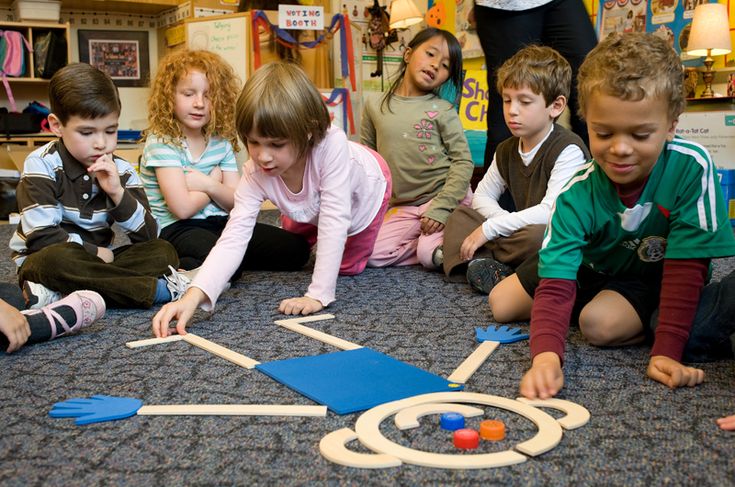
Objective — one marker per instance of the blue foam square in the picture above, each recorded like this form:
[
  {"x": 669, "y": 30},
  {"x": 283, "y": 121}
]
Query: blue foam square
[{"x": 354, "y": 380}]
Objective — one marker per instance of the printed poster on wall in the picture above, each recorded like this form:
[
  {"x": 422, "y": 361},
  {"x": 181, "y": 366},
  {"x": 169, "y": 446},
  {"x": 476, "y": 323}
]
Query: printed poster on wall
[
  {"x": 715, "y": 130},
  {"x": 466, "y": 33},
  {"x": 622, "y": 16},
  {"x": 473, "y": 105},
  {"x": 668, "y": 19}
]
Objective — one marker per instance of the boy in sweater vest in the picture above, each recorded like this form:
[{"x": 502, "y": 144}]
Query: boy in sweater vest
[
  {"x": 487, "y": 241},
  {"x": 627, "y": 250}
]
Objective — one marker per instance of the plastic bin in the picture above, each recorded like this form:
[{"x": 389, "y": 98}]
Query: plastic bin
[{"x": 37, "y": 10}]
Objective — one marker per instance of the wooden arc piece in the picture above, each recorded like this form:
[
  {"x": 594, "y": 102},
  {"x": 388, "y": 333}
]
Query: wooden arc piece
[
  {"x": 576, "y": 415},
  {"x": 332, "y": 447},
  {"x": 409, "y": 417},
  {"x": 367, "y": 428}
]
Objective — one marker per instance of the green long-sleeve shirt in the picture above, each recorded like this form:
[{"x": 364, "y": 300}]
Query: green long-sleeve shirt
[{"x": 422, "y": 140}]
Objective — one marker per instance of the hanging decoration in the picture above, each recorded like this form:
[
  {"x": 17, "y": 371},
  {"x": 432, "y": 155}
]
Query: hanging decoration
[
  {"x": 341, "y": 96},
  {"x": 379, "y": 34},
  {"x": 339, "y": 23}
]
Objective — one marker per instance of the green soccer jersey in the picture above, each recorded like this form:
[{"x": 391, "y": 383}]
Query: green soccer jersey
[{"x": 680, "y": 214}]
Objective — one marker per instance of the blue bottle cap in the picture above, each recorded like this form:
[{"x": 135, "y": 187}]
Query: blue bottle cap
[{"x": 451, "y": 421}]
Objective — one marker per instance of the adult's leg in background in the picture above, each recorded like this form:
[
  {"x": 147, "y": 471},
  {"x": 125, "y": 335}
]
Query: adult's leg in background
[
  {"x": 502, "y": 33},
  {"x": 568, "y": 29},
  {"x": 561, "y": 24}
]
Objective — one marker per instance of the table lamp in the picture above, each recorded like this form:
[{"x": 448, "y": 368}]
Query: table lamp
[
  {"x": 709, "y": 36},
  {"x": 404, "y": 13}
]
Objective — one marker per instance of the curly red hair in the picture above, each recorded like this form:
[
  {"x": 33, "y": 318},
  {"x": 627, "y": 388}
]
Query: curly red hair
[{"x": 223, "y": 89}]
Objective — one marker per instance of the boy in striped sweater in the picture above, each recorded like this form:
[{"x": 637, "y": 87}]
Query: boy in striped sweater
[{"x": 71, "y": 193}]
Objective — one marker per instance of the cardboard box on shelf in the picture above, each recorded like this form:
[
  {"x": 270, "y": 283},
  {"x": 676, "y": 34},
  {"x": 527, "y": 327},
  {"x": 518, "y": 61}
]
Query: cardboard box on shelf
[
  {"x": 36, "y": 10},
  {"x": 12, "y": 157}
]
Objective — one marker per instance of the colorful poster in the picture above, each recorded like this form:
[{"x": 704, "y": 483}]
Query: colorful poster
[
  {"x": 715, "y": 130},
  {"x": 669, "y": 19},
  {"x": 465, "y": 31},
  {"x": 473, "y": 106},
  {"x": 622, "y": 16}
]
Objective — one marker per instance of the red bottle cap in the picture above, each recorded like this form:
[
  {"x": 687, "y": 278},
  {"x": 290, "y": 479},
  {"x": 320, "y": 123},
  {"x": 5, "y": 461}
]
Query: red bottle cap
[{"x": 466, "y": 438}]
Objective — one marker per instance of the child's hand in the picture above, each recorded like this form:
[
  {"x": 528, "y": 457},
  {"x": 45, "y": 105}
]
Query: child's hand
[
  {"x": 673, "y": 374},
  {"x": 429, "y": 226},
  {"x": 105, "y": 254},
  {"x": 108, "y": 179},
  {"x": 198, "y": 181},
  {"x": 300, "y": 306},
  {"x": 474, "y": 241},
  {"x": 544, "y": 379},
  {"x": 181, "y": 311},
  {"x": 14, "y": 326},
  {"x": 727, "y": 423},
  {"x": 216, "y": 174}
]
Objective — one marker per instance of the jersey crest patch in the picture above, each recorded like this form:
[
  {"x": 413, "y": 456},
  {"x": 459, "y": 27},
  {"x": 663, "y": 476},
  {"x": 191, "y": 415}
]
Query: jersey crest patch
[{"x": 652, "y": 249}]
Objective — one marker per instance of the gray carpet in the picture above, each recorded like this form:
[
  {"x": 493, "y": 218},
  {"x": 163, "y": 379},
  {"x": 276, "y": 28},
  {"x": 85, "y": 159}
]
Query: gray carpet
[{"x": 640, "y": 432}]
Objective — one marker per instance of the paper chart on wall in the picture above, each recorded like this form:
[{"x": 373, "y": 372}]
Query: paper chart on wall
[{"x": 226, "y": 35}]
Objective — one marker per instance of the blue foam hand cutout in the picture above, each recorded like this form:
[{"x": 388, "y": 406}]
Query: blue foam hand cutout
[
  {"x": 96, "y": 409},
  {"x": 502, "y": 334}
]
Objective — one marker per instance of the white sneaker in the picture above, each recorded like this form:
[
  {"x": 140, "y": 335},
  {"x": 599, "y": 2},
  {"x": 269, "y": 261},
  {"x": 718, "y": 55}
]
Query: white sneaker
[
  {"x": 191, "y": 273},
  {"x": 37, "y": 295},
  {"x": 177, "y": 283}
]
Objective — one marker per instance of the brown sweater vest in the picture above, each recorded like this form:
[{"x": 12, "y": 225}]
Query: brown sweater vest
[{"x": 527, "y": 185}]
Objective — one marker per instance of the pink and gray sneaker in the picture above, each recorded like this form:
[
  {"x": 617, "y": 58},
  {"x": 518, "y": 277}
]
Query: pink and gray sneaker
[{"x": 88, "y": 306}]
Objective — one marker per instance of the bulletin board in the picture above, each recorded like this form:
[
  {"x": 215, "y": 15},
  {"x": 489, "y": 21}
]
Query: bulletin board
[
  {"x": 668, "y": 19},
  {"x": 226, "y": 35}
]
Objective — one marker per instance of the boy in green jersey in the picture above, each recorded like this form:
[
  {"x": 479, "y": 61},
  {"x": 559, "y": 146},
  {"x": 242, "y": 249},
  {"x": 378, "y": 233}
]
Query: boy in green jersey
[{"x": 632, "y": 233}]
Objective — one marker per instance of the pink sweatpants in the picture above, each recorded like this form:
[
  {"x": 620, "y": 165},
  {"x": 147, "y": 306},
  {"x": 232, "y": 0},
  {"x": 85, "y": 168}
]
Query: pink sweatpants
[
  {"x": 400, "y": 241},
  {"x": 358, "y": 247}
]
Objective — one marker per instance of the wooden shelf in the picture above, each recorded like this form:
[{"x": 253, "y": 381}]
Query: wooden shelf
[
  {"x": 31, "y": 31},
  {"x": 28, "y": 140},
  {"x": 11, "y": 80},
  {"x": 712, "y": 99},
  {"x": 711, "y": 104},
  {"x": 143, "y": 7}
]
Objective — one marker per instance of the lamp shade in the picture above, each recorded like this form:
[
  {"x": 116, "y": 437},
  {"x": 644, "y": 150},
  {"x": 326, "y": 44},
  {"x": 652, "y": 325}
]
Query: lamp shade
[
  {"x": 404, "y": 13},
  {"x": 710, "y": 30}
]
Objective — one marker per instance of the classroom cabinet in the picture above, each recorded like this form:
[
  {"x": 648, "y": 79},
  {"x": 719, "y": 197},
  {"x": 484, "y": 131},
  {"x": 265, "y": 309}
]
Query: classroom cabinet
[
  {"x": 33, "y": 31},
  {"x": 141, "y": 7}
]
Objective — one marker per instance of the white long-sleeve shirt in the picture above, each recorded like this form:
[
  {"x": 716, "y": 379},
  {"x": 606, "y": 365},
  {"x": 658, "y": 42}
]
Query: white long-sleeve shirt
[
  {"x": 501, "y": 223},
  {"x": 343, "y": 188}
]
